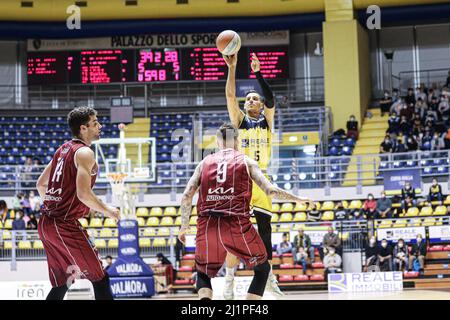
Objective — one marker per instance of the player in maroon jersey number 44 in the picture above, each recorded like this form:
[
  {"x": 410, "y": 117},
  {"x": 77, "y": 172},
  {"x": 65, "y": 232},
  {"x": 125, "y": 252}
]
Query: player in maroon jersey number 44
[
  {"x": 66, "y": 187},
  {"x": 225, "y": 181}
]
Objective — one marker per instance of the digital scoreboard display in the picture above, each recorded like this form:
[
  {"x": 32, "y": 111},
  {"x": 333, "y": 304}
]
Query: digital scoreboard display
[{"x": 150, "y": 65}]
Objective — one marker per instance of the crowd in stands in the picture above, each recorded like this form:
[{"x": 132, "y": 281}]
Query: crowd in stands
[
  {"x": 26, "y": 207},
  {"x": 418, "y": 121}
]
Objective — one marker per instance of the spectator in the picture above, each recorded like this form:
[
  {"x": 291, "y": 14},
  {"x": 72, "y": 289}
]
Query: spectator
[
  {"x": 447, "y": 83},
  {"x": 384, "y": 207},
  {"x": 411, "y": 144},
  {"x": 330, "y": 239},
  {"x": 313, "y": 213},
  {"x": 352, "y": 128},
  {"x": 401, "y": 256},
  {"x": 408, "y": 196},
  {"x": 435, "y": 193},
  {"x": 35, "y": 202},
  {"x": 369, "y": 207},
  {"x": 303, "y": 240},
  {"x": 437, "y": 143},
  {"x": 109, "y": 262},
  {"x": 356, "y": 215},
  {"x": 4, "y": 214},
  {"x": 385, "y": 256},
  {"x": 340, "y": 213},
  {"x": 400, "y": 147},
  {"x": 301, "y": 258},
  {"x": 27, "y": 176},
  {"x": 444, "y": 107},
  {"x": 179, "y": 251},
  {"x": 32, "y": 223},
  {"x": 16, "y": 202},
  {"x": 386, "y": 146},
  {"x": 170, "y": 271},
  {"x": 420, "y": 94},
  {"x": 404, "y": 126},
  {"x": 25, "y": 205},
  {"x": 385, "y": 103},
  {"x": 395, "y": 95},
  {"x": 371, "y": 253},
  {"x": 285, "y": 246},
  {"x": 19, "y": 225},
  {"x": 332, "y": 262},
  {"x": 410, "y": 98},
  {"x": 418, "y": 251},
  {"x": 394, "y": 123}
]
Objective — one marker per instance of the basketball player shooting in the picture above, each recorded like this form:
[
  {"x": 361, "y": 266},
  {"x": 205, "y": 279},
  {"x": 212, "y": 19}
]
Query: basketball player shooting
[
  {"x": 66, "y": 187},
  {"x": 225, "y": 180},
  {"x": 255, "y": 135}
]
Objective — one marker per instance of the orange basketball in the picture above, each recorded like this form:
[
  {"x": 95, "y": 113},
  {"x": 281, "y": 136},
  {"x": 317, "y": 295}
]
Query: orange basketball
[{"x": 228, "y": 42}]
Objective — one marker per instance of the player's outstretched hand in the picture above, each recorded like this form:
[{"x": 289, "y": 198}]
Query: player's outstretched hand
[
  {"x": 113, "y": 213},
  {"x": 305, "y": 201},
  {"x": 230, "y": 60},
  {"x": 182, "y": 234},
  {"x": 256, "y": 65}
]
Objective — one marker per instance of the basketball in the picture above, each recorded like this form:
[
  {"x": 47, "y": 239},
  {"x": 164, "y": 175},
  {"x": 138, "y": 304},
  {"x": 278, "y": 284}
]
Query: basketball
[{"x": 228, "y": 42}]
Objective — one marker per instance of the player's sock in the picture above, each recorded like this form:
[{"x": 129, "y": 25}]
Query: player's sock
[
  {"x": 229, "y": 272},
  {"x": 228, "y": 289},
  {"x": 102, "y": 289},
  {"x": 57, "y": 293}
]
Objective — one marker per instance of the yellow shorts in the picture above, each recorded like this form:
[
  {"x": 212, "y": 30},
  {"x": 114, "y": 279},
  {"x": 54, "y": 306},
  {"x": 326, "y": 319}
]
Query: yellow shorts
[{"x": 260, "y": 201}]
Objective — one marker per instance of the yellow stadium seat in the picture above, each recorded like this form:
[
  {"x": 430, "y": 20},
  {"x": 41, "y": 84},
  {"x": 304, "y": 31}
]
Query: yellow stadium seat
[
  {"x": 7, "y": 245},
  {"x": 8, "y": 224},
  {"x": 100, "y": 243},
  {"x": 412, "y": 212},
  {"x": 194, "y": 211},
  {"x": 438, "y": 222},
  {"x": 300, "y": 216},
  {"x": 275, "y": 207},
  {"x": 355, "y": 204},
  {"x": 274, "y": 218},
  {"x": 428, "y": 222},
  {"x": 25, "y": 244},
  {"x": 399, "y": 224},
  {"x": 345, "y": 236},
  {"x": 300, "y": 207},
  {"x": 274, "y": 228},
  {"x": 38, "y": 244},
  {"x": 92, "y": 233},
  {"x": 96, "y": 223},
  {"x": 84, "y": 223},
  {"x": 287, "y": 207},
  {"x": 170, "y": 211},
  {"x": 253, "y": 220},
  {"x": 156, "y": 212},
  {"x": 152, "y": 222},
  {"x": 178, "y": 221},
  {"x": 385, "y": 224},
  {"x": 447, "y": 200},
  {"x": 425, "y": 211},
  {"x": 7, "y": 235},
  {"x": 286, "y": 217},
  {"x": 416, "y": 222},
  {"x": 328, "y": 205},
  {"x": 167, "y": 221},
  {"x": 141, "y": 221},
  {"x": 1, "y": 224},
  {"x": 193, "y": 221},
  {"x": 172, "y": 242},
  {"x": 110, "y": 223},
  {"x": 284, "y": 228},
  {"x": 192, "y": 230},
  {"x": 318, "y": 205},
  {"x": 145, "y": 242},
  {"x": 328, "y": 215},
  {"x": 106, "y": 233},
  {"x": 440, "y": 211},
  {"x": 12, "y": 214},
  {"x": 345, "y": 204},
  {"x": 113, "y": 243},
  {"x": 163, "y": 232},
  {"x": 149, "y": 232},
  {"x": 159, "y": 242},
  {"x": 142, "y": 212}
]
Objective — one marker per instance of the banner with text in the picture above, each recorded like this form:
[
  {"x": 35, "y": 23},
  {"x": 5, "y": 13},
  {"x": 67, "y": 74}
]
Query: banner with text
[
  {"x": 396, "y": 179},
  {"x": 393, "y": 234},
  {"x": 439, "y": 233},
  {"x": 365, "y": 282}
]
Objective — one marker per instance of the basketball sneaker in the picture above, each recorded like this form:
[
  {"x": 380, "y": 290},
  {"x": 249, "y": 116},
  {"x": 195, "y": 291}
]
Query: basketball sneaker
[
  {"x": 272, "y": 285},
  {"x": 228, "y": 289}
]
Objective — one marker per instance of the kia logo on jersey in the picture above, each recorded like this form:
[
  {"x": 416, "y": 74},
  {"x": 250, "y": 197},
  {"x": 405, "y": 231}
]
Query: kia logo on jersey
[{"x": 221, "y": 190}]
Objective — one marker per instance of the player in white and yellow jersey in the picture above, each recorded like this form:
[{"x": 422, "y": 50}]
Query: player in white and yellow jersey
[{"x": 255, "y": 136}]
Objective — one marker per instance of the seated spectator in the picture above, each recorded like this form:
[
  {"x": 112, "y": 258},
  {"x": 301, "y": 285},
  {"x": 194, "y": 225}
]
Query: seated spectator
[
  {"x": 32, "y": 223},
  {"x": 16, "y": 202},
  {"x": 25, "y": 205},
  {"x": 385, "y": 256},
  {"x": 109, "y": 262},
  {"x": 301, "y": 258},
  {"x": 394, "y": 123},
  {"x": 418, "y": 251},
  {"x": 386, "y": 146},
  {"x": 437, "y": 143},
  {"x": 340, "y": 213},
  {"x": 400, "y": 147},
  {"x": 352, "y": 128},
  {"x": 369, "y": 207},
  {"x": 4, "y": 213},
  {"x": 444, "y": 107},
  {"x": 330, "y": 239},
  {"x": 384, "y": 207},
  {"x": 304, "y": 241},
  {"x": 313, "y": 213},
  {"x": 420, "y": 94},
  {"x": 332, "y": 262},
  {"x": 435, "y": 193},
  {"x": 19, "y": 226},
  {"x": 411, "y": 144},
  {"x": 401, "y": 256},
  {"x": 385, "y": 103},
  {"x": 356, "y": 215},
  {"x": 35, "y": 203},
  {"x": 171, "y": 273},
  {"x": 405, "y": 126},
  {"x": 371, "y": 253},
  {"x": 410, "y": 97},
  {"x": 408, "y": 196},
  {"x": 284, "y": 246}
]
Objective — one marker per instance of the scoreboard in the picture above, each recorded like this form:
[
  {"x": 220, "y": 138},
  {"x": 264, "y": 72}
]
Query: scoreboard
[{"x": 150, "y": 65}]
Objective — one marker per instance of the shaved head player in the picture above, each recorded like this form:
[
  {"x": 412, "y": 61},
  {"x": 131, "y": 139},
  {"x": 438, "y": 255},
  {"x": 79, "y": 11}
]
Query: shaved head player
[
  {"x": 225, "y": 181},
  {"x": 66, "y": 187}
]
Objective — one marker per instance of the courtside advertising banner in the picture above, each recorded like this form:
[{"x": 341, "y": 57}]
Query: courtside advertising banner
[
  {"x": 393, "y": 234},
  {"x": 365, "y": 282},
  {"x": 439, "y": 233},
  {"x": 396, "y": 179}
]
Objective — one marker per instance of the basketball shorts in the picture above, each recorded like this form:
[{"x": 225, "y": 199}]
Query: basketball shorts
[
  {"x": 70, "y": 253},
  {"x": 217, "y": 235},
  {"x": 260, "y": 201}
]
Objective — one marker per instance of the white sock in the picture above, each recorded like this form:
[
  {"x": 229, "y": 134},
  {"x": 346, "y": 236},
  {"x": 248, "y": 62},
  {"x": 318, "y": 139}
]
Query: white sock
[{"x": 229, "y": 271}]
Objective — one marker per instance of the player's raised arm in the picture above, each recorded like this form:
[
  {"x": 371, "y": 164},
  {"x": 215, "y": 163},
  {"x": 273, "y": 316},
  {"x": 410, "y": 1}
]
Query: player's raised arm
[
  {"x": 85, "y": 161},
  {"x": 269, "y": 100},
  {"x": 277, "y": 193},
  {"x": 236, "y": 115},
  {"x": 42, "y": 182},
  {"x": 186, "y": 201}
]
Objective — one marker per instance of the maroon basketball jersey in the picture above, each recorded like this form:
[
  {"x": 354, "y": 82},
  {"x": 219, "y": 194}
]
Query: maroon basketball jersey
[
  {"x": 61, "y": 199},
  {"x": 225, "y": 185}
]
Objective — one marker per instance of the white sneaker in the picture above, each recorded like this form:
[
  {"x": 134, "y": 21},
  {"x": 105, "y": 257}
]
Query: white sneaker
[
  {"x": 228, "y": 289},
  {"x": 272, "y": 285}
]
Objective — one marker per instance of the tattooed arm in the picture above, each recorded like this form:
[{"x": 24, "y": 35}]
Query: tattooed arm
[
  {"x": 186, "y": 201},
  {"x": 268, "y": 188}
]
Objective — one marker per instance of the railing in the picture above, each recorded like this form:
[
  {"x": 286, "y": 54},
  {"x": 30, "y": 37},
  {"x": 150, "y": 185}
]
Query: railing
[
  {"x": 433, "y": 78},
  {"x": 148, "y": 95}
]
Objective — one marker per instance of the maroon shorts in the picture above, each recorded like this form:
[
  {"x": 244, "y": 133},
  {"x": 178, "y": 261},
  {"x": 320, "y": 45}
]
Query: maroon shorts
[
  {"x": 218, "y": 235},
  {"x": 70, "y": 253}
]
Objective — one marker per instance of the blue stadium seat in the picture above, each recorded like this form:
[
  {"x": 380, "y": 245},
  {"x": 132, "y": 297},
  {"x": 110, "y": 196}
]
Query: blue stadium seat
[
  {"x": 333, "y": 151},
  {"x": 347, "y": 151},
  {"x": 350, "y": 142}
]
